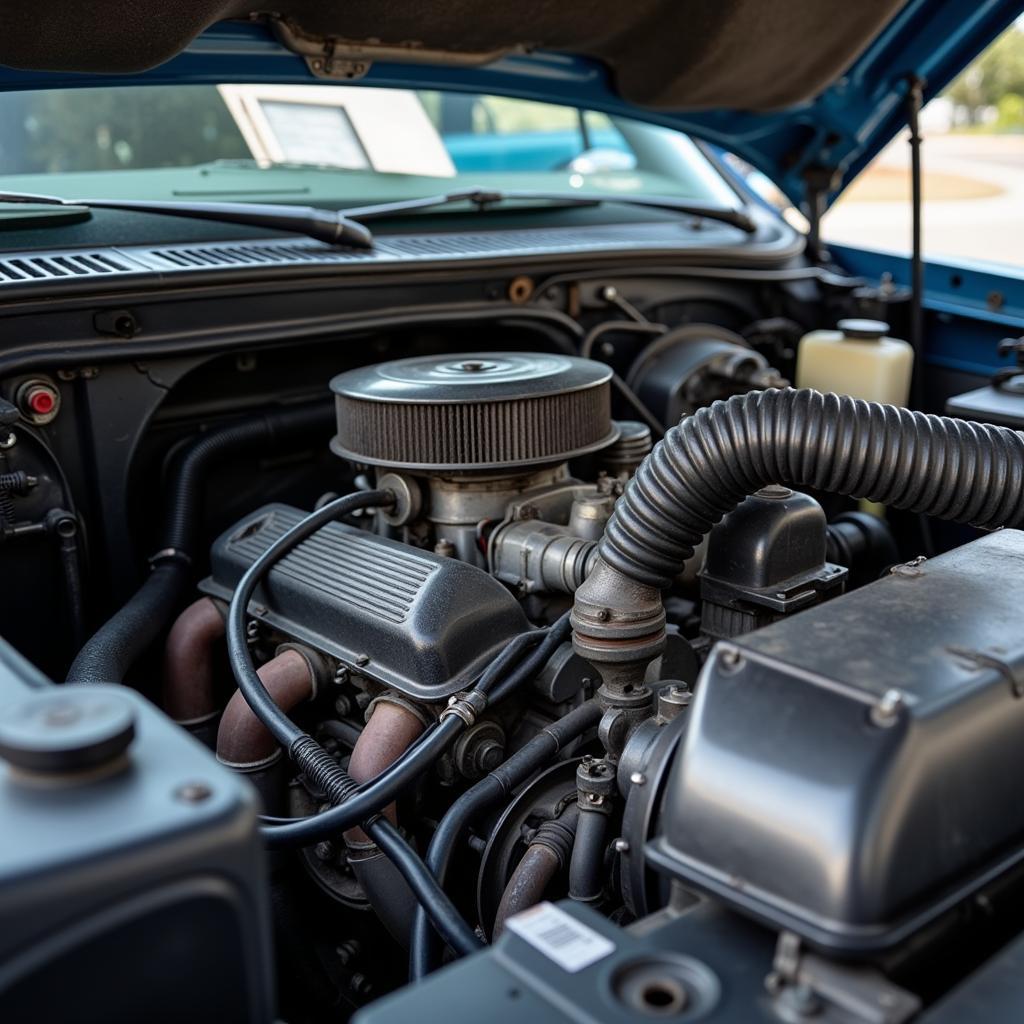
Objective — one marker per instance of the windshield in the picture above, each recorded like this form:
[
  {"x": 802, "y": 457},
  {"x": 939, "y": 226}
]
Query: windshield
[{"x": 328, "y": 142}]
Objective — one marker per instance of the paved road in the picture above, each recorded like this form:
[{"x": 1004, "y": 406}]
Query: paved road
[{"x": 990, "y": 228}]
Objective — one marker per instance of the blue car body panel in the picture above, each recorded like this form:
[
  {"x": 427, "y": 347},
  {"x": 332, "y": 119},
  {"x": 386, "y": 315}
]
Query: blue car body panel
[{"x": 843, "y": 128}]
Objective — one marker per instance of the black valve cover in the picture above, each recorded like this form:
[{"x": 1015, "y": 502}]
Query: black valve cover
[{"x": 414, "y": 621}]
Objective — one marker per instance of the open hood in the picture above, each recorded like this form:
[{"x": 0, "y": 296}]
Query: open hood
[{"x": 791, "y": 86}]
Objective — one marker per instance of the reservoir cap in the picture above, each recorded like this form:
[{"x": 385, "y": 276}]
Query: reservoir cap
[
  {"x": 66, "y": 730},
  {"x": 864, "y": 330}
]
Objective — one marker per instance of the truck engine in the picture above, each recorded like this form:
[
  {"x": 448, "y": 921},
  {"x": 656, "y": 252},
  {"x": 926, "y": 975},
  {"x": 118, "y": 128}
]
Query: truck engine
[{"x": 555, "y": 712}]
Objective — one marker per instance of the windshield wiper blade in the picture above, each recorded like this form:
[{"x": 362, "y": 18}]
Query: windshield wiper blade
[
  {"x": 483, "y": 198},
  {"x": 330, "y": 226}
]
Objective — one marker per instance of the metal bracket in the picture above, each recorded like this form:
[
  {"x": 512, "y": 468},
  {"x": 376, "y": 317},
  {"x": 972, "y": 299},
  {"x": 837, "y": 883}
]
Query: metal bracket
[
  {"x": 818, "y": 183},
  {"x": 805, "y": 985},
  {"x": 467, "y": 705},
  {"x": 348, "y": 60},
  {"x": 1013, "y": 674}
]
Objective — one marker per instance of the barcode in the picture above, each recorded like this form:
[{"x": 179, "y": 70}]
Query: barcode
[{"x": 560, "y": 937}]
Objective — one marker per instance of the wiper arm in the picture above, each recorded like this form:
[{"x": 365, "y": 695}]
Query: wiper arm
[
  {"x": 330, "y": 226},
  {"x": 483, "y": 198},
  {"x": 343, "y": 227}
]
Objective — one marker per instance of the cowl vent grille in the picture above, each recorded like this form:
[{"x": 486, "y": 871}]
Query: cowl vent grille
[
  {"x": 21, "y": 270},
  {"x": 250, "y": 255},
  {"x": 48, "y": 267}
]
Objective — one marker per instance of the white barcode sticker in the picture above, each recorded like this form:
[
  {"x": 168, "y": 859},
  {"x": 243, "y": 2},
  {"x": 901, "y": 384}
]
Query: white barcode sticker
[{"x": 560, "y": 937}]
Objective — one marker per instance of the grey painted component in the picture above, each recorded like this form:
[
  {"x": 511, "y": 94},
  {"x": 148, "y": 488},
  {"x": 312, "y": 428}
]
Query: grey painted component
[
  {"x": 534, "y": 556},
  {"x": 632, "y": 447},
  {"x": 564, "y": 676},
  {"x": 718, "y": 959},
  {"x": 479, "y": 411},
  {"x": 1003, "y": 406},
  {"x": 417, "y": 622},
  {"x": 871, "y": 750},
  {"x": 96, "y": 866}
]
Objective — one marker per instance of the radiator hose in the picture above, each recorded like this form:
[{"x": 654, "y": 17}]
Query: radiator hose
[
  {"x": 109, "y": 654},
  {"x": 706, "y": 465}
]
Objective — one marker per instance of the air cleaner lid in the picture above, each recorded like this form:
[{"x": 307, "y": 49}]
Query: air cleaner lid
[{"x": 488, "y": 410}]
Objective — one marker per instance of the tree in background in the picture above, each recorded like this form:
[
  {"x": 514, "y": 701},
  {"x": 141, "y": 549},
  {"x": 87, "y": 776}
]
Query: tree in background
[
  {"x": 96, "y": 129},
  {"x": 993, "y": 82}
]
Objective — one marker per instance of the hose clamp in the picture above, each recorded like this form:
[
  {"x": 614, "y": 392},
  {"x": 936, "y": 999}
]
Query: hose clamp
[
  {"x": 468, "y": 706},
  {"x": 167, "y": 555}
]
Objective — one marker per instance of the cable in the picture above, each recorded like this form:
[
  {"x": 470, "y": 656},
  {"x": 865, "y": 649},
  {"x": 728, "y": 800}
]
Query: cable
[
  {"x": 110, "y": 653},
  {"x": 531, "y": 665},
  {"x": 423, "y": 952},
  {"x": 364, "y": 803},
  {"x": 277, "y": 722},
  {"x": 657, "y": 428},
  {"x": 609, "y": 326},
  {"x": 432, "y": 898}
]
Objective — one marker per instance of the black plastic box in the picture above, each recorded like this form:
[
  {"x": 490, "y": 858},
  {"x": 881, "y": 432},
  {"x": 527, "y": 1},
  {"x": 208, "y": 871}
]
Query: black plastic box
[{"x": 852, "y": 772}]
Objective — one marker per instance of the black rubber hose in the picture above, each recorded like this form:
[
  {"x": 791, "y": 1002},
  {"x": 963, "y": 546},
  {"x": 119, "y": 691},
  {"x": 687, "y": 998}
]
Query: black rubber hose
[
  {"x": 187, "y": 475},
  {"x": 424, "y": 953},
  {"x": 322, "y": 772},
  {"x": 366, "y": 801},
  {"x": 586, "y": 866},
  {"x": 432, "y": 898},
  {"x": 510, "y": 655},
  {"x": 531, "y": 665},
  {"x": 707, "y": 464},
  {"x": 109, "y": 654},
  {"x": 283, "y": 729}
]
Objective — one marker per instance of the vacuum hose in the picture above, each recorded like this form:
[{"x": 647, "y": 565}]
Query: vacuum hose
[
  {"x": 707, "y": 464},
  {"x": 109, "y": 654}
]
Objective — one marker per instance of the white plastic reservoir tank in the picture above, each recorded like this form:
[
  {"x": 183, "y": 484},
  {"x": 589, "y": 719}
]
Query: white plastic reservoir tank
[{"x": 859, "y": 359}]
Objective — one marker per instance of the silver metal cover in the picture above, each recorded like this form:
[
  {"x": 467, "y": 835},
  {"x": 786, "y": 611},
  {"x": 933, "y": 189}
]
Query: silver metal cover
[{"x": 480, "y": 411}]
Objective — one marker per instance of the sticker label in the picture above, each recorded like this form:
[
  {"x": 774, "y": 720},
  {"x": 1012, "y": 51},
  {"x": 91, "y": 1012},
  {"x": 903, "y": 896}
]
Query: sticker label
[{"x": 560, "y": 937}]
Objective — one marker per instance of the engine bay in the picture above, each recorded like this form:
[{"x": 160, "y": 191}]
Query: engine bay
[{"x": 563, "y": 657}]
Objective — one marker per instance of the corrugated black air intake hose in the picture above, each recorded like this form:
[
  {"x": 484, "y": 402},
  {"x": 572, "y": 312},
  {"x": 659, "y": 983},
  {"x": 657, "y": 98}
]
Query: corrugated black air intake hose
[
  {"x": 707, "y": 464},
  {"x": 109, "y": 654}
]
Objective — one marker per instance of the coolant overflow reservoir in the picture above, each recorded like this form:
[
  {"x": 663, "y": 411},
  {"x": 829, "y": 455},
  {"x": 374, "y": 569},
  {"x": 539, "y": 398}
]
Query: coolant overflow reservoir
[{"x": 859, "y": 359}]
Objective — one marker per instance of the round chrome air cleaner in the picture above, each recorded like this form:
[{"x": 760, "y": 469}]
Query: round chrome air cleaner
[{"x": 483, "y": 411}]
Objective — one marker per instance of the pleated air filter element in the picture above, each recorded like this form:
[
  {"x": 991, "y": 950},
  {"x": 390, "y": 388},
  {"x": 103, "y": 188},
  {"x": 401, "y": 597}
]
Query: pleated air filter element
[{"x": 486, "y": 411}]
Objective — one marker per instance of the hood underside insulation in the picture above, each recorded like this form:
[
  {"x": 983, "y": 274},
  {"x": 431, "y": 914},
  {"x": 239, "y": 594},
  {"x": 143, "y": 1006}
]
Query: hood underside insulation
[{"x": 672, "y": 54}]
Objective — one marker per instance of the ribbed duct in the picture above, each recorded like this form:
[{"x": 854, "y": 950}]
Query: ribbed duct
[{"x": 486, "y": 411}]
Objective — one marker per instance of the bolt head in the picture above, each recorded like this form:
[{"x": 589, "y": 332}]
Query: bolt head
[
  {"x": 193, "y": 792},
  {"x": 886, "y": 712},
  {"x": 621, "y": 846},
  {"x": 638, "y": 778}
]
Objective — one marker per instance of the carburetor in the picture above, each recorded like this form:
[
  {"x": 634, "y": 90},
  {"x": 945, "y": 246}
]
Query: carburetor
[{"x": 476, "y": 449}]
